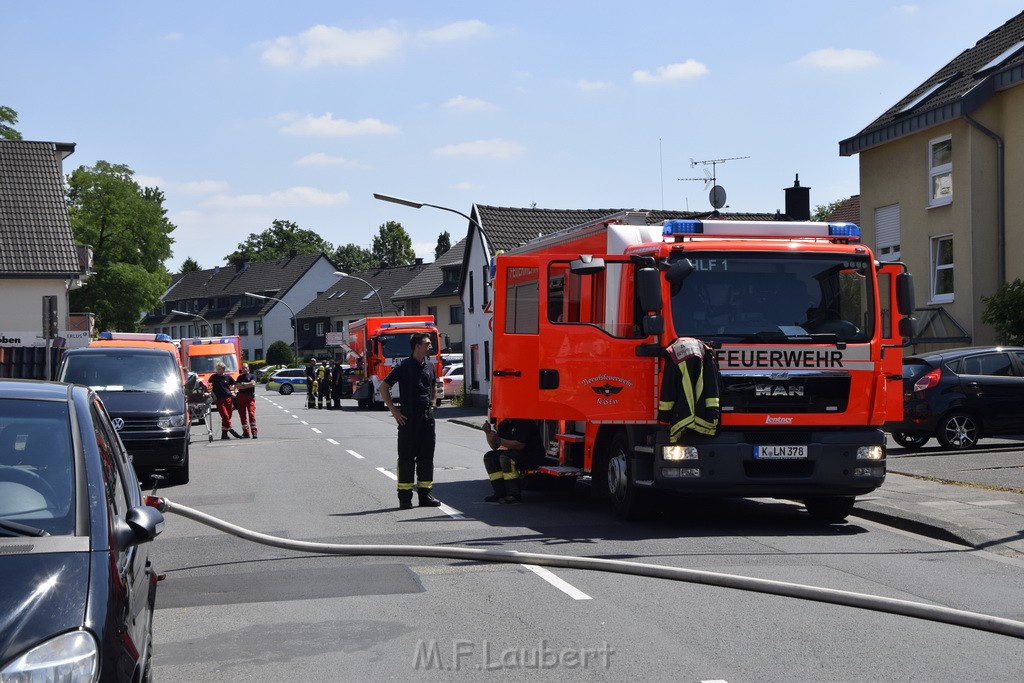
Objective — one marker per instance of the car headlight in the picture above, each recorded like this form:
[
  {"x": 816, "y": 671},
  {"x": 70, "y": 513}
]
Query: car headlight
[
  {"x": 171, "y": 421},
  {"x": 68, "y": 657}
]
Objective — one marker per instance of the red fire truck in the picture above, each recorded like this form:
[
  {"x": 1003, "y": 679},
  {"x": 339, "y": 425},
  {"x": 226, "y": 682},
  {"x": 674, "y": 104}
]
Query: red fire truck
[
  {"x": 807, "y": 328},
  {"x": 378, "y": 344}
]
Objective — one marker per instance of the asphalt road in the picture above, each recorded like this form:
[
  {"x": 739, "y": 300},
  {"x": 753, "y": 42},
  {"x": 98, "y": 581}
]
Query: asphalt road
[{"x": 230, "y": 609}]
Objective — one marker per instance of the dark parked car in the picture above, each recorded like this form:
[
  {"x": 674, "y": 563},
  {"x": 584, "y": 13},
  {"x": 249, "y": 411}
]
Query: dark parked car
[
  {"x": 142, "y": 388},
  {"x": 960, "y": 395},
  {"x": 78, "y": 587}
]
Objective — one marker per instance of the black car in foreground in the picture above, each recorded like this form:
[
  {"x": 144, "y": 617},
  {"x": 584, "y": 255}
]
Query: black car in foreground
[
  {"x": 960, "y": 395},
  {"x": 77, "y": 589}
]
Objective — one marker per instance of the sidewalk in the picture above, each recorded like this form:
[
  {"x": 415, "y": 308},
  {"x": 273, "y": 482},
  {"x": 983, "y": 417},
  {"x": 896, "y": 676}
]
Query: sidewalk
[{"x": 978, "y": 516}]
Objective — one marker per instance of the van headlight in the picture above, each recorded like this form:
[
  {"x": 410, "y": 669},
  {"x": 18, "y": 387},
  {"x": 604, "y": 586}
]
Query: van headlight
[
  {"x": 171, "y": 421},
  {"x": 68, "y": 657}
]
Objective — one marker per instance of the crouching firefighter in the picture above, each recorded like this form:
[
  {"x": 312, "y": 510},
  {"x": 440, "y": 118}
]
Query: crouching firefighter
[{"x": 690, "y": 389}]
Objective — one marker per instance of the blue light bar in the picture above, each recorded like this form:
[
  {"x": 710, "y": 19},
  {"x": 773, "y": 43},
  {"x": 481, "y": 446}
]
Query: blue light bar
[
  {"x": 843, "y": 230},
  {"x": 682, "y": 226}
]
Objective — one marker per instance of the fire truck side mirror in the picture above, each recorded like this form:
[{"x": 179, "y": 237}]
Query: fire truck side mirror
[
  {"x": 905, "y": 294},
  {"x": 648, "y": 289},
  {"x": 906, "y": 327},
  {"x": 679, "y": 271}
]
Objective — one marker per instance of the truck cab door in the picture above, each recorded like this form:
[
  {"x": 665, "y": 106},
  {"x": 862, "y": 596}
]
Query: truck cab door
[
  {"x": 565, "y": 345},
  {"x": 892, "y": 340}
]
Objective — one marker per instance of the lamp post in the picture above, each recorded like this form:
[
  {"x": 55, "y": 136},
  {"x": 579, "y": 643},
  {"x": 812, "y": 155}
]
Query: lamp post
[
  {"x": 379, "y": 300},
  {"x": 420, "y": 205},
  {"x": 295, "y": 323},
  {"x": 195, "y": 315}
]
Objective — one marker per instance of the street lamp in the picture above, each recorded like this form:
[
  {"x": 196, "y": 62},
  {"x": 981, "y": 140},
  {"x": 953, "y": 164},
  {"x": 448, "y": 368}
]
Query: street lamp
[
  {"x": 295, "y": 323},
  {"x": 420, "y": 205},
  {"x": 195, "y": 315},
  {"x": 379, "y": 300}
]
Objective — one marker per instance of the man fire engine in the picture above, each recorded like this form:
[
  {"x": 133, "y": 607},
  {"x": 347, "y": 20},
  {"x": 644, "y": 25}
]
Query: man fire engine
[{"x": 785, "y": 339}]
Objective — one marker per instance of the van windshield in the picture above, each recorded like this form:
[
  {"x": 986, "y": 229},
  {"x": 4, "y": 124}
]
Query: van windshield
[{"x": 122, "y": 371}]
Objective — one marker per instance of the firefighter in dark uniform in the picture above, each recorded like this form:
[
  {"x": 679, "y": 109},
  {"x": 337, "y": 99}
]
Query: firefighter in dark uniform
[
  {"x": 515, "y": 446},
  {"x": 415, "y": 377},
  {"x": 310, "y": 383}
]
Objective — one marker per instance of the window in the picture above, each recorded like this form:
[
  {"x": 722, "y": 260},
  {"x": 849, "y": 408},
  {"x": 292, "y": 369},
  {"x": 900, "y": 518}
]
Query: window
[
  {"x": 942, "y": 269},
  {"x": 245, "y": 354},
  {"x": 522, "y": 310},
  {"x": 243, "y": 328},
  {"x": 319, "y": 329},
  {"x": 231, "y": 327},
  {"x": 486, "y": 285},
  {"x": 203, "y": 330},
  {"x": 471, "y": 293},
  {"x": 455, "y": 315},
  {"x": 432, "y": 312},
  {"x": 450, "y": 276},
  {"x": 218, "y": 329},
  {"x": 174, "y": 331},
  {"x": 993, "y": 364},
  {"x": 940, "y": 171},
  {"x": 887, "y": 233},
  {"x": 257, "y": 328},
  {"x": 258, "y": 354}
]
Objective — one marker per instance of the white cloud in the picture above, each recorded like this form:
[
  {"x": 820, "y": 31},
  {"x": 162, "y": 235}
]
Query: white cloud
[
  {"x": 590, "y": 86},
  {"x": 331, "y": 46},
  {"x": 460, "y": 30},
  {"x": 468, "y": 104},
  {"x": 328, "y": 126},
  {"x": 682, "y": 71},
  {"x": 496, "y": 149},
  {"x": 322, "y": 159},
  {"x": 293, "y": 196},
  {"x": 189, "y": 187},
  {"x": 832, "y": 59},
  {"x": 465, "y": 185}
]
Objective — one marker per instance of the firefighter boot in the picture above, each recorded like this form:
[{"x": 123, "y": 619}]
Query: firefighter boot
[
  {"x": 224, "y": 436},
  {"x": 514, "y": 492},
  {"x": 427, "y": 499},
  {"x": 405, "y": 500},
  {"x": 499, "y": 490}
]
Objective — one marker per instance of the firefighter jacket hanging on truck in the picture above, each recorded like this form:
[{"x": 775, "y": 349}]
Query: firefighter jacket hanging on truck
[{"x": 690, "y": 389}]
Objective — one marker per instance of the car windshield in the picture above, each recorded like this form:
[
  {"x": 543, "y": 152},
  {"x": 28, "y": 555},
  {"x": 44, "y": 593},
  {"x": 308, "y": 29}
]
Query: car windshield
[
  {"x": 36, "y": 468},
  {"x": 122, "y": 371},
  {"x": 760, "y": 296}
]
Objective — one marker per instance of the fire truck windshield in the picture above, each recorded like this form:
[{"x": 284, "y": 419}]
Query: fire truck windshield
[
  {"x": 762, "y": 296},
  {"x": 396, "y": 344}
]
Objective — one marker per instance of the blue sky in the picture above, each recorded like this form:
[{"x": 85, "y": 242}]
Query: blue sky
[{"x": 247, "y": 112}]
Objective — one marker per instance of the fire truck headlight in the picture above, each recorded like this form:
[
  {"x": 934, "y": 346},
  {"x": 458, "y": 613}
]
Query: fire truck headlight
[
  {"x": 680, "y": 472},
  {"x": 679, "y": 453},
  {"x": 870, "y": 453},
  {"x": 869, "y": 471}
]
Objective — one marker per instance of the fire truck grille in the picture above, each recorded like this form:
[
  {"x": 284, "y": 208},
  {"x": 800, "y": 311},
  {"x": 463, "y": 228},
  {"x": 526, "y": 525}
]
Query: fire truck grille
[
  {"x": 778, "y": 469},
  {"x": 798, "y": 394}
]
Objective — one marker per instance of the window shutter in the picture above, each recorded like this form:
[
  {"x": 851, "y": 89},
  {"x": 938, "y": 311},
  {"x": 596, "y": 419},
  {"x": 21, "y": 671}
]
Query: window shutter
[{"x": 887, "y": 231}]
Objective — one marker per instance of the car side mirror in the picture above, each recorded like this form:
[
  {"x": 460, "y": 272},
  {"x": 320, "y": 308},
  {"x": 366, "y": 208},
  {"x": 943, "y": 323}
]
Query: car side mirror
[{"x": 141, "y": 525}]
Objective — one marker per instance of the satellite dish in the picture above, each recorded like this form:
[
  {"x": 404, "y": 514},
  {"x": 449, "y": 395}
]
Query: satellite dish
[{"x": 717, "y": 196}]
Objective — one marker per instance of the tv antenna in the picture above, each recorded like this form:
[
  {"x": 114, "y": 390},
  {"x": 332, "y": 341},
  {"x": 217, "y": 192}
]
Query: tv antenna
[{"x": 710, "y": 179}]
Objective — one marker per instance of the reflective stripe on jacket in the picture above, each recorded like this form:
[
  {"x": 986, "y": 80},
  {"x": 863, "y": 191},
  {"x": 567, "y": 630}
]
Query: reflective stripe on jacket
[{"x": 690, "y": 389}]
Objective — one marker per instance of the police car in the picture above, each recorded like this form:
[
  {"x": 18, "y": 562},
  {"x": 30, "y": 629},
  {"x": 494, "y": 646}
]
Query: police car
[{"x": 288, "y": 380}]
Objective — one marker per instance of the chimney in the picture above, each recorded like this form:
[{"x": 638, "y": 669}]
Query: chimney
[
  {"x": 798, "y": 201},
  {"x": 419, "y": 261}
]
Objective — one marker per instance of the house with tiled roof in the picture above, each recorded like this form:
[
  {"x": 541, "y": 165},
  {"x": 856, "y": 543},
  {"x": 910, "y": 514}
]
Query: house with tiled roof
[
  {"x": 435, "y": 292},
  {"x": 254, "y": 300},
  {"x": 848, "y": 211},
  {"x": 38, "y": 255},
  {"x": 494, "y": 229},
  {"x": 347, "y": 299},
  {"x": 939, "y": 176}
]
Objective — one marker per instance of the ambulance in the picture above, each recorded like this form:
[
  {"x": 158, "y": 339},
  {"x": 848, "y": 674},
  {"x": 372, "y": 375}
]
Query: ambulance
[
  {"x": 802, "y": 331},
  {"x": 378, "y": 344}
]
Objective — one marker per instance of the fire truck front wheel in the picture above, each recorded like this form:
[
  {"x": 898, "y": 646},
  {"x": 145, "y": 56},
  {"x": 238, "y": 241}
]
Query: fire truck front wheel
[{"x": 627, "y": 501}]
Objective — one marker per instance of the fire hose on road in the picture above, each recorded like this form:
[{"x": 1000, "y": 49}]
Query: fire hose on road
[{"x": 917, "y": 610}]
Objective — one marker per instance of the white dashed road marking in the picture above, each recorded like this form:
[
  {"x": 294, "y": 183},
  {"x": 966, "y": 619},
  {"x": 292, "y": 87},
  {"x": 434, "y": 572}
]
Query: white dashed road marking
[
  {"x": 560, "y": 584},
  {"x": 355, "y": 455}
]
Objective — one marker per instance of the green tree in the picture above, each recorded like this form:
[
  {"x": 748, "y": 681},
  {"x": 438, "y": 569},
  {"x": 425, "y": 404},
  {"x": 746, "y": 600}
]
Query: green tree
[
  {"x": 351, "y": 258},
  {"x": 823, "y": 211},
  {"x": 190, "y": 265},
  {"x": 444, "y": 243},
  {"x": 1004, "y": 311},
  {"x": 280, "y": 353},
  {"x": 278, "y": 240},
  {"x": 393, "y": 246},
  {"x": 8, "y": 119},
  {"x": 127, "y": 227}
]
